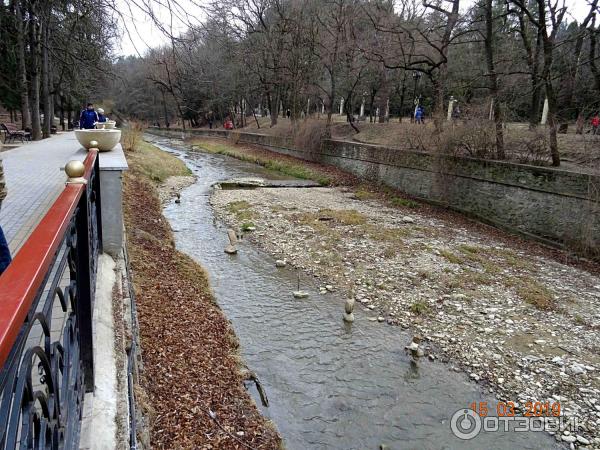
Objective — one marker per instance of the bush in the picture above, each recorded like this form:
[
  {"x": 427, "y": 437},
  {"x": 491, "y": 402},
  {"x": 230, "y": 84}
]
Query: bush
[
  {"x": 310, "y": 134},
  {"x": 132, "y": 135}
]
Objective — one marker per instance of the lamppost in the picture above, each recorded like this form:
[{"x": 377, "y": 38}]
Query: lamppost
[{"x": 416, "y": 76}]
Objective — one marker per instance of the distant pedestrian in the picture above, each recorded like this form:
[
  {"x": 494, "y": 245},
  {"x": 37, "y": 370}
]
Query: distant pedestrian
[
  {"x": 101, "y": 117},
  {"x": 595, "y": 123},
  {"x": 5, "y": 258},
  {"x": 88, "y": 118},
  {"x": 456, "y": 112},
  {"x": 288, "y": 113},
  {"x": 419, "y": 112}
]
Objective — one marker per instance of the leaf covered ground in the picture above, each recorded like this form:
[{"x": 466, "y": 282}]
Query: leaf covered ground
[{"x": 191, "y": 369}]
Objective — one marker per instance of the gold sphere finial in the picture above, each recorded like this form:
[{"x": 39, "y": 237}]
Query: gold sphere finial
[
  {"x": 93, "y": 144},
  {"x": 74, "y": 169}
]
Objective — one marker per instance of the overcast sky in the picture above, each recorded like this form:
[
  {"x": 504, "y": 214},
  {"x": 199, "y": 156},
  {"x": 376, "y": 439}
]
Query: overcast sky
[{"x": 142, "y": 33}]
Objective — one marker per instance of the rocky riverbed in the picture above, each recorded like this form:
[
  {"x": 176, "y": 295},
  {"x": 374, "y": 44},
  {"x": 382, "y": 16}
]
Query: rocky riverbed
[{"x": 522, "y": 323}]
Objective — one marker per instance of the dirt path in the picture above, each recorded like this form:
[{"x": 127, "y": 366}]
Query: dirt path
[
  {"x": 192, "y": 372},
  {"x": 509, "y": 314}
]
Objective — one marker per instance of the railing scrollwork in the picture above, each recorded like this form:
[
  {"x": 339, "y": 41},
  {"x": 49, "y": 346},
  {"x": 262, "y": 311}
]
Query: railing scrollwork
[{"x": 46, "y": 304}]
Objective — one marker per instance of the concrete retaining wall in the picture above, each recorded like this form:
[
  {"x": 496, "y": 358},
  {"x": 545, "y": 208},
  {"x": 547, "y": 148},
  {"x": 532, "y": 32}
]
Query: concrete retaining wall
[{"x": 553, "y": 205}]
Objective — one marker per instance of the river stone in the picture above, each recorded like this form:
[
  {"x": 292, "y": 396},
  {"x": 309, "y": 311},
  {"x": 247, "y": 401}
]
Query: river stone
[
  {"x": 230, "y": 250},
  {"x": 348, "y": 317},
  {"x": 408, "y": 219},
  {"x": 280, "y": 263},
  {"x": 232, "y": 237},
  {"x": 300, "y": 294},
  {"x": 349, "y": 306}
]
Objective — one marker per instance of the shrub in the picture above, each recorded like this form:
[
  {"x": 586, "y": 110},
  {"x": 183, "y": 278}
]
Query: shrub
[
  {"x": 310, "y": 134},
  {"x": 132, "y": 134}
]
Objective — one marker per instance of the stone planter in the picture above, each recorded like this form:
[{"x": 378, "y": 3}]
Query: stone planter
[
  {"x": 107, "y": 139},
  {"x": 108, "y": 125}
]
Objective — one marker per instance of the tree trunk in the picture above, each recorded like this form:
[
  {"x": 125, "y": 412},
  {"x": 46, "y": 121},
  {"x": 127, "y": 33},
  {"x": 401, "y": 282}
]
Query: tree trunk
[
  {"x": 25, "y": 113},
  {"x": 46, "y": 100},
  {"x": 573, "y": 72},
  {"x": 489, "y": 54},
  {"x": 34, "y": 42},
  {"x": 438, "y": 111}
]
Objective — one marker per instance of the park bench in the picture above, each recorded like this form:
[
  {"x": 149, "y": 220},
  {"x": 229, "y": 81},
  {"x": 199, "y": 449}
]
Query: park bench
[{"x": 11, "y": 133}]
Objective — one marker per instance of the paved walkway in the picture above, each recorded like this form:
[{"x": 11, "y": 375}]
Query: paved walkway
[{"x": 34, "y": 179}]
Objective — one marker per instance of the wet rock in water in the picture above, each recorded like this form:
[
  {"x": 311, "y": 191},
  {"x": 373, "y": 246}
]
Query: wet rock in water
[
  {"x": 329, "y": 287},
  {"x": 232, "y": 237},
  {"x": 348, "y": 310},
  {"x": 414, "y": 347},
  {"x": 280, "y": 263},
  {"x": 300, "y": 294},
  {"x": 230, "y": 250},
  {"x": 380, "y": 319}
]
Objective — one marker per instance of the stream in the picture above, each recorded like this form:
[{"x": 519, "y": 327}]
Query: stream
[{"x": 331, "y": 385}]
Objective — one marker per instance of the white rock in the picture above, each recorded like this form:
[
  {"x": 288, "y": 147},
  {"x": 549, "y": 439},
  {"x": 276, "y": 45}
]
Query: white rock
[
  {"x": 280, "y": 263},
  {"x": 568, "y": 438},
  {"x": 408, "y": 219},
  {"x": 380, "y": 319},
  {"x": 582, "y": 440}
]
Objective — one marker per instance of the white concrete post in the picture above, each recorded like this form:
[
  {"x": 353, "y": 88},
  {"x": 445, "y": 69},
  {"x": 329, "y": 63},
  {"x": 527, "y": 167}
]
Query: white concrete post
[
  {"x": 322, "y": 108},
  {"x": 342, "y": 106},
  {"x": 387, "y": 110},
  {"x": 450, "y": 108},
  {"x": 362, "y": 107},
  {"x": 545, "y": 112},
  {"x": 308, "y": 107}
]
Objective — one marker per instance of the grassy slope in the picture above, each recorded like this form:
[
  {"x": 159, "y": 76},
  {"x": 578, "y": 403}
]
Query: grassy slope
[
  {"x": 190, "y": 361},
  {"x": 274, "y": 162}
]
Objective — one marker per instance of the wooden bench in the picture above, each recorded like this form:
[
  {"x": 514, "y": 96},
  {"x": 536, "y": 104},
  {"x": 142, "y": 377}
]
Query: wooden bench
[{"x": 11, "y": 133}]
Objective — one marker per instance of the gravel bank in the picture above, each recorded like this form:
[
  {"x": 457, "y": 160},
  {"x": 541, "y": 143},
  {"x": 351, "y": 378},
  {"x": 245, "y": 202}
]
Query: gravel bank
[{"x": 520, "y": 322}]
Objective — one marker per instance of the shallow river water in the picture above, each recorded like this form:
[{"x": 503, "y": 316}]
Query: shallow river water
[{"x": 330, "y": 385}]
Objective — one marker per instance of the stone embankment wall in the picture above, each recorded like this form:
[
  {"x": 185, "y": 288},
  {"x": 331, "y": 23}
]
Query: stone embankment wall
[{"x": 552, "y": 205}]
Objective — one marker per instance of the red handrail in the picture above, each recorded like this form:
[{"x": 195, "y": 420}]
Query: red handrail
[{"x": 22, "y": 280}]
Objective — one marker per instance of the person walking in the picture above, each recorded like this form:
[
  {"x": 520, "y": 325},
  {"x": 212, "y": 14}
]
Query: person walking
[
  {"x": 595, "y": 123},
  {"x": 88, "y": 118},
  {"x": 5, "y": 258},
  {"x": 419, "y": 114},
  {"x": 101, "y": 117}
]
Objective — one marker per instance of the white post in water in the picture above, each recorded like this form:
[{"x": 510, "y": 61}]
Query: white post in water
[
  {"x": 362, "y": 107},
  {"x": 342, "y": 106},
  {"x": 323, "y": 108},
  {"x": 308, "y": 107},
  {"x": 545, "y": 112}
]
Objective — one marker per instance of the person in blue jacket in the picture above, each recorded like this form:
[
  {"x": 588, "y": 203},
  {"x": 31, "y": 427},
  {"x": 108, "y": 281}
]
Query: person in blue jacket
[
  {"x": 88, "y": 118},
  {"x": 101, "y": 117}
]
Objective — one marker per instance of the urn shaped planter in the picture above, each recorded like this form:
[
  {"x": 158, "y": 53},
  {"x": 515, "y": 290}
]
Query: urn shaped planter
[{"x": 107, "y": 138}]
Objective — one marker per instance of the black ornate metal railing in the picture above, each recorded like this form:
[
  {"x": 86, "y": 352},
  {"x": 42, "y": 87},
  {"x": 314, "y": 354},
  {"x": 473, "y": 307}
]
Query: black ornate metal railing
[{"x": 46, "y": 304}]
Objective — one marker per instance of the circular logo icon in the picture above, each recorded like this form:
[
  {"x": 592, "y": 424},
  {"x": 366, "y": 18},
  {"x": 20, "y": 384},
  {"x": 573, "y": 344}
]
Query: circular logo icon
[{"x": 465, "y": 424}]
